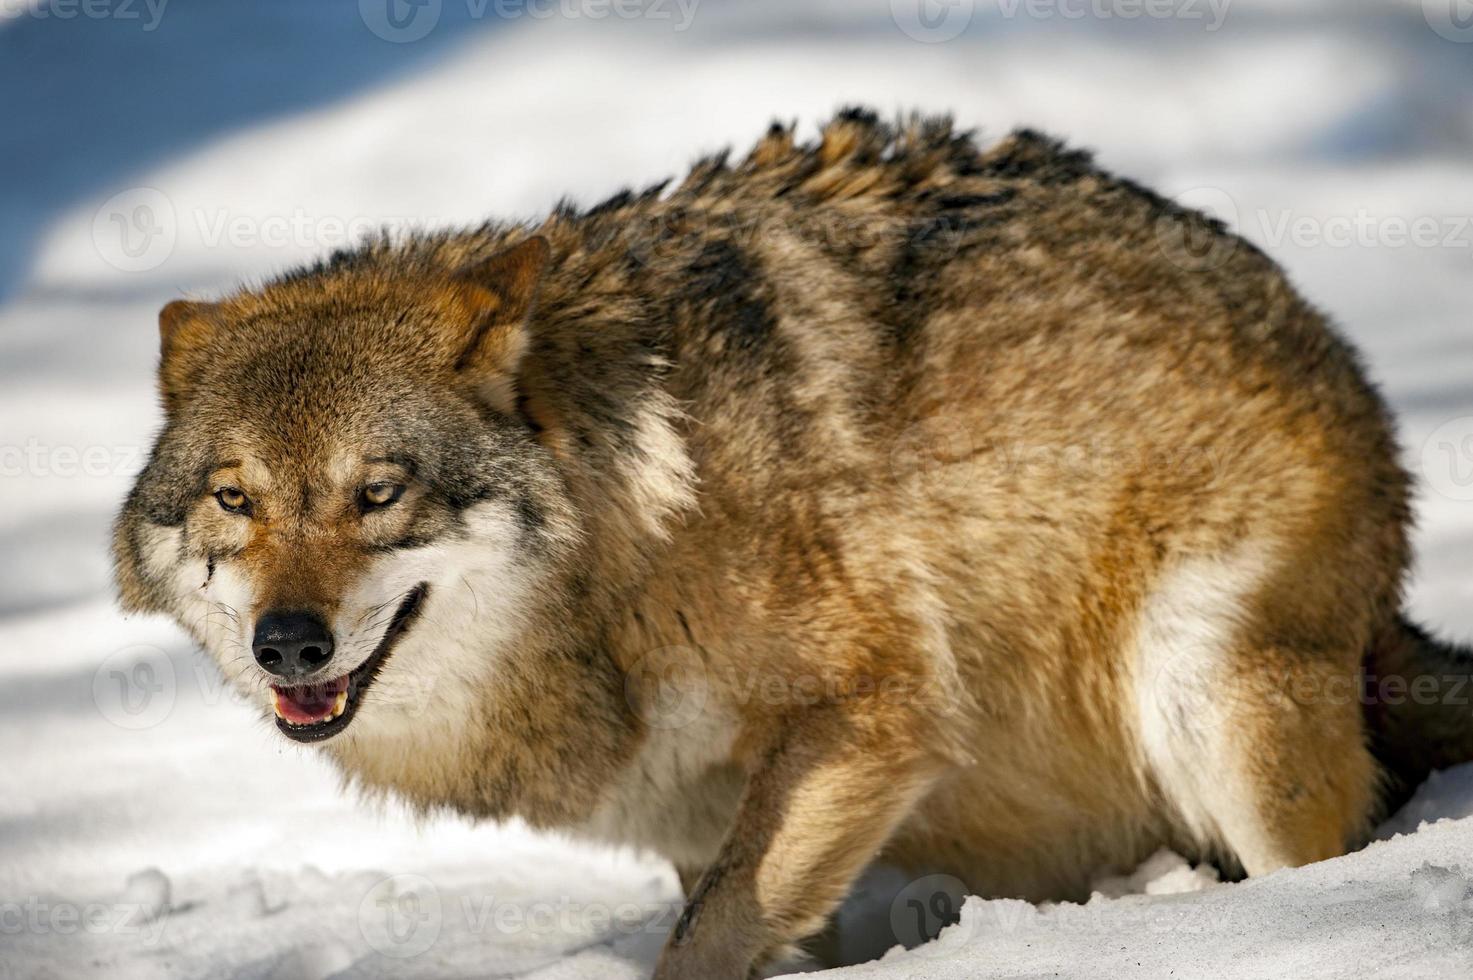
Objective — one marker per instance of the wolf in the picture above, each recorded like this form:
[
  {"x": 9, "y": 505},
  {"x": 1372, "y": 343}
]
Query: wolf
[{"x": 876, "y": 496}]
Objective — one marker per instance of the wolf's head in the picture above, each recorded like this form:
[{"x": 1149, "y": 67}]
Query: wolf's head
[{"x": 344, "y": 485}]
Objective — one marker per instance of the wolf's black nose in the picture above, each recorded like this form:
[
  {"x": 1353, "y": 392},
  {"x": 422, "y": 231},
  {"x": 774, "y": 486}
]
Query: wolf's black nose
[{"x": 292, "y": 644}]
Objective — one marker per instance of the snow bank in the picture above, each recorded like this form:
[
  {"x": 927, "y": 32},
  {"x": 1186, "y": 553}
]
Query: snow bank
[{"x": 1401, "y": 908}]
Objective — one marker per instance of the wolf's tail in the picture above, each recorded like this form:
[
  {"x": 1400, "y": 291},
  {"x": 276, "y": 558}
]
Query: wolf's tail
[{"x": 1418, "y": 694}]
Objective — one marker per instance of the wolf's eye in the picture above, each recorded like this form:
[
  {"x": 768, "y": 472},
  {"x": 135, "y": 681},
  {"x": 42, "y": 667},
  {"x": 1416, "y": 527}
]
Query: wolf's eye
[
  {"x": 233, "y": 500},
  {"x": 377, "y": 495}
]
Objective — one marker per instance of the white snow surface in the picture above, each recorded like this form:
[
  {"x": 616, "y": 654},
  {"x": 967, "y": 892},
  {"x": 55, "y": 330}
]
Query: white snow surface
[{"x": 151, "y": 826}]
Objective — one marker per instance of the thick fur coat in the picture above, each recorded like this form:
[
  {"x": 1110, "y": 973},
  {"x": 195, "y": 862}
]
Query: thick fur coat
[{"x": 879, "y": 496}]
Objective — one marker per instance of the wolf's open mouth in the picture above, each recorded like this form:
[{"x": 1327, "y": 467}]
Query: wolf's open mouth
[{"x": 313, "y": 712}]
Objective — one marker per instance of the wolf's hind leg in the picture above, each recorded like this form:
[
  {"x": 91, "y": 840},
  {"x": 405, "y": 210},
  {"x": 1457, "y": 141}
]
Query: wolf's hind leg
[
  {"x": 1259, "y": 749},
  {"x": 1273, "y": 765}
]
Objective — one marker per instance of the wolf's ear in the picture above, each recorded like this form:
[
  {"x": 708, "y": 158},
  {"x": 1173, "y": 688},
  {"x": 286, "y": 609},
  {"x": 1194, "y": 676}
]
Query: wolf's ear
[
  {"x": 184, "y": 329},
  {"x": 502, "y": 291}
]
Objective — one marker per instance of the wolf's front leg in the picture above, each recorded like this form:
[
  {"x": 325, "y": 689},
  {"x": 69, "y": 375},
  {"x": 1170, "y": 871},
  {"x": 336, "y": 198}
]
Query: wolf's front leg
[{"x": 831, "y": 786}]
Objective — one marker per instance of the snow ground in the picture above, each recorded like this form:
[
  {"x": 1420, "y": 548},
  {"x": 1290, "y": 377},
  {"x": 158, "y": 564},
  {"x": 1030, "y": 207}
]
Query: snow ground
[{"x": 257, "y": 135}]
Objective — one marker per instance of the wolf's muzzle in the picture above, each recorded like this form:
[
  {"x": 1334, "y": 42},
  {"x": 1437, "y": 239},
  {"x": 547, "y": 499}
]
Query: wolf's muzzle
[
  {"x": 291, "y": 644},
  {"x": 314, "y": 708}
]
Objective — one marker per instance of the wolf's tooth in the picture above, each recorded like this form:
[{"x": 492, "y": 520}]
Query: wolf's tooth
[{"x": 340, "y": 704}]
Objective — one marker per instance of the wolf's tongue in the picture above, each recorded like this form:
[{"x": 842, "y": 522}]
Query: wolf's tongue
[{"x": 312, "y": 703}]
